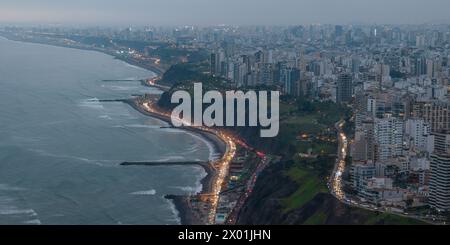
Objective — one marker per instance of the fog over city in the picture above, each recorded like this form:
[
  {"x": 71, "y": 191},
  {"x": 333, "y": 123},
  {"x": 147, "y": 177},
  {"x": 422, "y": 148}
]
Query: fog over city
[{"x": 214, "y": 12}]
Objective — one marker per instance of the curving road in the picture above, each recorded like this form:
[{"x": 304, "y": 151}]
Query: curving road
[{"x": 335, "y": 185}]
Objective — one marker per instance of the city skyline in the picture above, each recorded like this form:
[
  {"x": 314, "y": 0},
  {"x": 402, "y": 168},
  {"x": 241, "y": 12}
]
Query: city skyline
[
  {"x": 231, "y": 12},
  {"x": 250, "y": 119}
]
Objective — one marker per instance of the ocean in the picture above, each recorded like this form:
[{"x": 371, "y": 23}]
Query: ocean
[{"x": 60, "y": 146}]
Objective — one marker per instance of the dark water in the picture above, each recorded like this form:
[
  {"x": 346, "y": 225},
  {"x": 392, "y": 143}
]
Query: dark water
[{"x": 60, "y": 148}]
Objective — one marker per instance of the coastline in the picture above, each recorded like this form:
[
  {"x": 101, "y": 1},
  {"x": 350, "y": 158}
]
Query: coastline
[
  {"x": 186, "y": 214},
  {"x": 181, "y": 203},
  {"x": 219, "y": 145},
  {"x": 158, "y": 70}
]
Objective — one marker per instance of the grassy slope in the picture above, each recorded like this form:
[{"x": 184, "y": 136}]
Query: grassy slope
[{"x": 310, "y": 185}]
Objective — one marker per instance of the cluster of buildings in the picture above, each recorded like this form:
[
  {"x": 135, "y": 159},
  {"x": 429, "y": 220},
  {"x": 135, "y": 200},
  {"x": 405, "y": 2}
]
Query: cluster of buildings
[
  {"x": 400, "y": 149},
  {"x": 266, "y": 68},
  {"x": 396, "y": 79}
]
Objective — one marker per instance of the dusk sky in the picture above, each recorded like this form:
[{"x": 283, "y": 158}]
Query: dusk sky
[{"x": 213, "y": 12}]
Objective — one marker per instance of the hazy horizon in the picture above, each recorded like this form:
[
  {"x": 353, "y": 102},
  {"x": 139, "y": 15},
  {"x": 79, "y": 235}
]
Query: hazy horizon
[{"x": 229, "y": 12}]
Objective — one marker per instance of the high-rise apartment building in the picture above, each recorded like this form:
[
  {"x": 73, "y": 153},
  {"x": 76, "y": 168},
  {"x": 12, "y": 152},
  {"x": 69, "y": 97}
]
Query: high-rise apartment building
[
  {"x": 388, "y": 136},
  {"x": 344, "y": 89},
  {"x": 440, "y": 172},
  {"x": 436, "y": 113}
]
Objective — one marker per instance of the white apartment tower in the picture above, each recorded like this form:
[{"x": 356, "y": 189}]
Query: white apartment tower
[{"x": 388, "y": 138}]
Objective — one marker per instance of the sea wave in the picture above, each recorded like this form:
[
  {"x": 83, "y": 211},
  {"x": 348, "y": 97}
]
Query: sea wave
[
  {"x": 193, "y": 190},
  {"x": 93, "y": 103},
  {"x": 16, "y": 211},
  {"x": 102, "y": 163},
  {"x": 144, "y": 193},
  {"x": 175, "y": 212},
  {"x": 9, "y": 206},
  {"x": 190, "y": 190},
  {"x": 122, "y": 88},
  {"x": 33, "y": 222},
  {"x": 171, "y": 158},
  {"x": 213, "y": 153},
  {"x": 6, "y": 187},
  {"x": 105, "y": 117},
  {"x": 137, "y": 126},
  {"x": 172, "y": 130}
]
